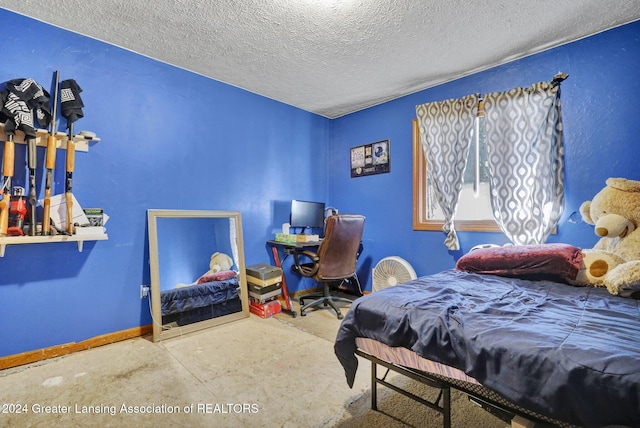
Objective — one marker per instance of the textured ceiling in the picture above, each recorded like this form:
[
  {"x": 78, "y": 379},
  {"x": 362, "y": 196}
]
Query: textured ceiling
[{"x": 333, "y": 57}]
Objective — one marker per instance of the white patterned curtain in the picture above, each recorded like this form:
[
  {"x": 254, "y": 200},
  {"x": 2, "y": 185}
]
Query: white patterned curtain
[
  {"x": 524, "y": 142},
  {"x": 233, "y": 240},
  {"x": 445, "y": 134}
]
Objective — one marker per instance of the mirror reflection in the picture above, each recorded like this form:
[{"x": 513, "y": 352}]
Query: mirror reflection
[{"x": 197, "y": 270}]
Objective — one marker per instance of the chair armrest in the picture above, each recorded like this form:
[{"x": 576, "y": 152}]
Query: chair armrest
[{"x": 306, "y": 269}]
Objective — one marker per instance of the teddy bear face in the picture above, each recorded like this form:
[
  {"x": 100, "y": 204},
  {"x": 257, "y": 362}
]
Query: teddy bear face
[
  {"x": 615, "y": 210},
  {"x": 220, "y": 262}
]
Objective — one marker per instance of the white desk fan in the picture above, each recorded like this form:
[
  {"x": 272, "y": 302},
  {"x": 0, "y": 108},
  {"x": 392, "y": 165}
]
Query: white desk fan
[{"x": 390, "y": 271}]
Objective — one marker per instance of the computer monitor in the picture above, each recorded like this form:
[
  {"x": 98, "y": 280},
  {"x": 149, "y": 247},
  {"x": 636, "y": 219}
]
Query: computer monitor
[{"x": 306, "y": 214}]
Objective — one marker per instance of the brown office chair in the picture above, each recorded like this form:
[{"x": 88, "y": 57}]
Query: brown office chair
[{"x": 335, "y": 260}]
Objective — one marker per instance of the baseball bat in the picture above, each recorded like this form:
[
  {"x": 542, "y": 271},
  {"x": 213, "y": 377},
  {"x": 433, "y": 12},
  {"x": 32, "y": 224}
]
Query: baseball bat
[
  {"x": 71, "y": 160},
  {"x": 50, "y": 161},
  {"x": 7, "y": 172}
]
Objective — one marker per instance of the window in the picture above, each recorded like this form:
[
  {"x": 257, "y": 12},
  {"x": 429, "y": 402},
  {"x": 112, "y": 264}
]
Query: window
[
  {"x": 523, "y": 141},
  {"x": 474, "y": 211}
]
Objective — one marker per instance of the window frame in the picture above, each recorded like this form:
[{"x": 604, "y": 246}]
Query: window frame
[{"x": 419, "y": 196}]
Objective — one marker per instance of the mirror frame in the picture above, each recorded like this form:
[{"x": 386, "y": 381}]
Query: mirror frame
[{"x": 159, "y": 333}]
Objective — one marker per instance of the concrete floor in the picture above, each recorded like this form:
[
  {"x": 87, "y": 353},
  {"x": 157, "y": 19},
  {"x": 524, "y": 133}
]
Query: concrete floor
[{"x": 278, "y": 372}]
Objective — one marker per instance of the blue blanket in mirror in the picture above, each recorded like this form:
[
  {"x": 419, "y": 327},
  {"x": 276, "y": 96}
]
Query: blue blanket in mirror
[{"x": 198, "y": 296}]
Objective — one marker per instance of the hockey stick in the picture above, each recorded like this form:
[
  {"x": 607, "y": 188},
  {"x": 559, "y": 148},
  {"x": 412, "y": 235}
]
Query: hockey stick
[
  {"x": 71, "y": 106},
  {"x": 18, "y": 115},
  {"x": 50, "y": 161},
  {"x": 22, "y": 98}
]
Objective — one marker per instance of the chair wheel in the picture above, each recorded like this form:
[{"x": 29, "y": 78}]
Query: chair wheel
[
  {"x": 303, "y": 314},
  {"x": 340, "y": 316}
]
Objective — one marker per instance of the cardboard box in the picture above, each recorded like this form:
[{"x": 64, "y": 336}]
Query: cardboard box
[
  {"x": 259, "y": 289},
  {"x": 94, "y": 215},
  {"x": 292, "y": 239},
  {"x": 307, "y": 238},
  {"x": 265, "y": 310},
  {"x": 263, "y": 297},
  {"x": 263, "y": 283},
  {"x": 263, "y": 272},
  {"x": 285, "y": 237}
]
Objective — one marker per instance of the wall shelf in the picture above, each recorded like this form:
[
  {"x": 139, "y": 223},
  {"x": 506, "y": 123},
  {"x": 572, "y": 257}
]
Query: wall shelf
[
  {"x": 16, "y": 240},
  {"x": 82, "y": 142}
]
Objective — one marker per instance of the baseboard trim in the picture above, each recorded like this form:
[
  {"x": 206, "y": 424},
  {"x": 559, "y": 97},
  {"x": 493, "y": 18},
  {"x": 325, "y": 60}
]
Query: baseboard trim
[{"x": 69, "y": 348}]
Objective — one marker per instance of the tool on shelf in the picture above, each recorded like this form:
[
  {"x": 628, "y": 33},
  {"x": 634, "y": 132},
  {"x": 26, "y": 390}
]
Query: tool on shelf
[
  {"x": 50, "y": 160},
  {"x": 18, "y": 212},
  {"x": 71, "y": 106}
]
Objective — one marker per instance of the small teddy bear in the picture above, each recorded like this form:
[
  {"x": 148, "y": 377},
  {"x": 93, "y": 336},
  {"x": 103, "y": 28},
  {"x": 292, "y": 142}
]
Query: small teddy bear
[
  {"x": 219, "y": 269},
  {"x": 614, "y": 261},
  {"x": 219, "y": 262}
]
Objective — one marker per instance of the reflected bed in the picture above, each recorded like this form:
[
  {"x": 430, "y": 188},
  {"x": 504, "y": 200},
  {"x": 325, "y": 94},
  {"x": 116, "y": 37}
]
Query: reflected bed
[{"x": 198, "y": 295}]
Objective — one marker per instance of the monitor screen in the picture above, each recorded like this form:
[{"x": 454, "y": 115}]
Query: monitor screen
[{"x": 307, "y": 214}]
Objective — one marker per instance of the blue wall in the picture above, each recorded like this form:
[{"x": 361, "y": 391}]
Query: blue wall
[
  {"x": 601, "y": 129},
  {"x": 173, "y": 139},
  {"x": 170, "y": 140},
  {"x": 185, "y": 247}
]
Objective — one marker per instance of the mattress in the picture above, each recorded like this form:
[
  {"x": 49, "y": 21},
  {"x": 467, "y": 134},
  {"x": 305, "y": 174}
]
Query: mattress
[
  {"x": 407, "y": 358},
  {"x": 569, "y": 353}
]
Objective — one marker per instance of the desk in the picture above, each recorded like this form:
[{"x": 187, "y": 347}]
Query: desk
[
  {"x": 288, "y": 248},
  {"x": 291, "y": 247}
]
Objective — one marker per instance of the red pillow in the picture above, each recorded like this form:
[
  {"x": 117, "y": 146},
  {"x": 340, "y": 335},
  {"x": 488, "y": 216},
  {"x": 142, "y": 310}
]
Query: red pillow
[
  {"x": 539, "y": 261},
  {"x": 216, "y": 276}
]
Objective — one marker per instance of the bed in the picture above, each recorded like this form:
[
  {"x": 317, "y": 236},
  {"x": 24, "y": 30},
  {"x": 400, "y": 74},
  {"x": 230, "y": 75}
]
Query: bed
[
  {"x": 535, "y": 347},
  {"x": 202, "y": 300}
]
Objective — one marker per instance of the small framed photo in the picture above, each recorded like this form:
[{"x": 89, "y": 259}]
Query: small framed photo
[{"x": 370, "y": 159}]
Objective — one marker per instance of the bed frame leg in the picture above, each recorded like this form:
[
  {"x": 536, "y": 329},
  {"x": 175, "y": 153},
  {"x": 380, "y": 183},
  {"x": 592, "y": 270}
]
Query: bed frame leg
[
  {"x": 443, "y": 407},
  {"x": 374, "y": 387},
  {"x": 446, "y": 407}
]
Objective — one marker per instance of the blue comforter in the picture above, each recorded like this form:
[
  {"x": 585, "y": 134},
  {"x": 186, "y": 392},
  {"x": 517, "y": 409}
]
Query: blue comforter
[
  {"x": 198, "y": 296},
  {"x": 567, "y": 352}
]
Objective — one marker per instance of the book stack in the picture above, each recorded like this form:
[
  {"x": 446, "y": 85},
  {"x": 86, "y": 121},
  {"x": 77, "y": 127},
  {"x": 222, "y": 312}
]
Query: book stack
[{"x": 264, "y": 284}]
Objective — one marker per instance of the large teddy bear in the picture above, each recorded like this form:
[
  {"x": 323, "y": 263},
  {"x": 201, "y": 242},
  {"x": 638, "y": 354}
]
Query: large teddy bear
[{"x": 614, "y": 262}]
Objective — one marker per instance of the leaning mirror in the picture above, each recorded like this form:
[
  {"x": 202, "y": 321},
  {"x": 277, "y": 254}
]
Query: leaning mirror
[{"x": 196, "y": 259}]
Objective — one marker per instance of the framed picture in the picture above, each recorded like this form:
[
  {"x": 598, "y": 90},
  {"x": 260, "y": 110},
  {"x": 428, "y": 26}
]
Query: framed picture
[{"x": 370, "y": 159}]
